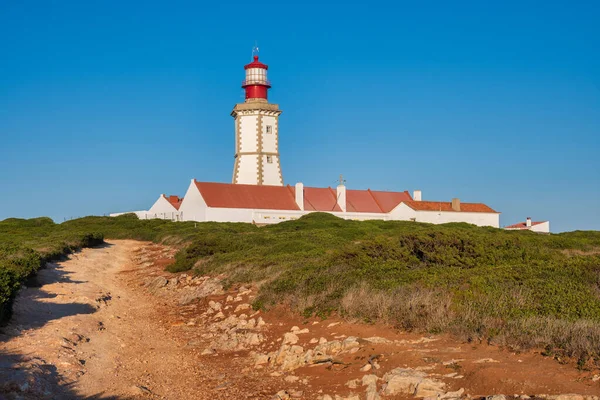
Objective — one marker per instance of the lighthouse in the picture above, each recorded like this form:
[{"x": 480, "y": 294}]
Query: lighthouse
[{"x": 256, "y": 131}]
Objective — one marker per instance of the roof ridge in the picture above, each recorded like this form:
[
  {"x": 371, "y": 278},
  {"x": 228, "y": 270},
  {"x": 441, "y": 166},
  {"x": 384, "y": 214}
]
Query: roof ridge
[{"x": 375, "y": 199}]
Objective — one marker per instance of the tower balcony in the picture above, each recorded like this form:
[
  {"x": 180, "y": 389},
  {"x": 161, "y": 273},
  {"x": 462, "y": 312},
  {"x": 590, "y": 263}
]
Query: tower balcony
[{"x": 262, "y": 82}]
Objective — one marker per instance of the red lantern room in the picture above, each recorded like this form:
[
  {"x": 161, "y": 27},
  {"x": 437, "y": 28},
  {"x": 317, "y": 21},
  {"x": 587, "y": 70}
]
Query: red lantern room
[{"x": 256, "y": 84}]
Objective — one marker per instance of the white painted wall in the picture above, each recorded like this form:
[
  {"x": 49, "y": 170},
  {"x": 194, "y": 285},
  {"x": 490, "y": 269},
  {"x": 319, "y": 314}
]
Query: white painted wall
[
  {"x": 161, "y": 205},
  {"x": 248, "y": 134},
  {"x": 193, "y": 207},
  {"x": 544, "y": 227},
  {"x": 271, "y": 175},
  {"x": 248, "y": 169},
  {"x": 269, "y": 140},
  {"x": 404, "y": 213},
  {"x": 229, "y": 214}
]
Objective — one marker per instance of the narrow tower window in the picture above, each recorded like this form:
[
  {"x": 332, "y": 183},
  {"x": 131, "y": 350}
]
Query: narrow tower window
[
  {"x": 269, "y": 159},
  {"x": 269, "y": 129}
]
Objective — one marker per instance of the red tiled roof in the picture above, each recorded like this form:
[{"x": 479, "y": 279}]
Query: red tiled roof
[
  {"x": 523, "y": 225},
  {"x": 374, "y": 201},
  {"x": 175, "y": 201},
  {"x": 447, "y": 206},
  {"x": 320, "y": 199},
  {"x": 228, "y": 195}
]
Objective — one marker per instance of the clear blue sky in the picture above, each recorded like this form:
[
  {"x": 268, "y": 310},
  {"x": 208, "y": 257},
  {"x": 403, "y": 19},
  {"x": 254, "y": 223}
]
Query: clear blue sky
[{"x": 105, "y": 105}]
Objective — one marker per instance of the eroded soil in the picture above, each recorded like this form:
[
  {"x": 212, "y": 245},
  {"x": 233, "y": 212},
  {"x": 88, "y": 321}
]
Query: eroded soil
[{"x": 111, "y": 323}]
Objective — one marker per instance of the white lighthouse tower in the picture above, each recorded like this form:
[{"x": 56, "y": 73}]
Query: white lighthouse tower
[{"x": 256, "y": 131}]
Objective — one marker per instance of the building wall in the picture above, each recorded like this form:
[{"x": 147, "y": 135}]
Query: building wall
[
  {"x": 248, "y": 170},
  {"x": 405, "y": 213},
  {"x": 193, "y": 207},
  {"x": 544, "y": 227},
  {"x": 269, "y": 140},
  {"x": 257, "y": 148}
]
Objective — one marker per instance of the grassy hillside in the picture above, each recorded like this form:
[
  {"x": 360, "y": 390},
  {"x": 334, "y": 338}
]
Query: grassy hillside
[
  {"x": 26, "y": 245},
  {"x": 516, "y": 288}
]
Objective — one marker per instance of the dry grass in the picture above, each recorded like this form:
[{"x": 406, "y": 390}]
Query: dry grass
[{"x": 409, "y": 307}]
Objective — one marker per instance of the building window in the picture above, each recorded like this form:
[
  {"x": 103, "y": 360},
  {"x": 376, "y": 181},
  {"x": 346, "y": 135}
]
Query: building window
[
  {"x": 269, "y": 129},
  {"x": 270, "y": 159}
]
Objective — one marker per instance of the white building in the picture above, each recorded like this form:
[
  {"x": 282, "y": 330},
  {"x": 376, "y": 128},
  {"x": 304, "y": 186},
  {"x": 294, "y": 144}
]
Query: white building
[
  {"x": 257, "y": 193},
  {"x": 163, "y": 208},
  {"x": 528, "y": 225},
  {"x": 261, "y": 204}
]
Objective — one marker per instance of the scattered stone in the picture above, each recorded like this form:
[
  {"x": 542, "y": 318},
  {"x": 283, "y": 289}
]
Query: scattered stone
[
  {"x": 240, "y": 307},
  {"x": 453, "y": 395},
  {"x": 366, "y": 368},
  {"x": 291, "y": 378},
  {"x": 290, "y": 338},
  {"x": 369, "y": 380},
  {"x": 156, "y": 283},
  {"x": 485, "y": 360},
  {"x": 140, "y": 391},
  {"x": 412, "y": 382},
  {"x": 378, "y": 340},
  {"x": 333, "y": 324},
  {"x": 313, "y": 341},
  {"x": 353, "y": 384},
  {"x": 208, "y": 287},
  {"x": 207, "y": 352},
  {"x": 281, "y": 395}
]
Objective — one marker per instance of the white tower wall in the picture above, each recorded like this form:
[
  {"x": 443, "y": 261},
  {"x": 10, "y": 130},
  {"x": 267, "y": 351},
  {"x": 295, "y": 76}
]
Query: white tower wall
[{"x": 257, "y": 159}]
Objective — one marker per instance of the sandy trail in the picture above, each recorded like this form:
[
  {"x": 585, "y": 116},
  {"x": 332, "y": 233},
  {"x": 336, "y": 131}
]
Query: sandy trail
[{"x": 102, "y": 337}]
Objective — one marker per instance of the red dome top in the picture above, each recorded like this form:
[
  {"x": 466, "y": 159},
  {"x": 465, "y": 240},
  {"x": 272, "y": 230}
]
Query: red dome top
[{"x": 256, "y": 64}]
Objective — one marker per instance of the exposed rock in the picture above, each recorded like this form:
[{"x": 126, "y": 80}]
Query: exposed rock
[
  {"x": 366, "y": 368},
  {"x": 291, "y": 378},
  {"x": 430, "y": 388},
  {"x": 156, "y": 283},
  {"x": 378, "y": 340},
  {"x": 208, "y": 287},
  {"x": 369, "y": 379},
  {"x": 412, "y": 382},
  {"x": 172, "y": 283},
  {"x": 290, "y": 338},
  {"x": 453, "y": 395},
  {"x": 485, "y": 360},
  {"x": 496, "y": 397},
  {"x": 281, "y": 395},
  {"x": 353, "y": 384},
  {"x": 241, "y": 307},
  {"x": 351, "y": 397},
  {"x": 566, "y": 397}
]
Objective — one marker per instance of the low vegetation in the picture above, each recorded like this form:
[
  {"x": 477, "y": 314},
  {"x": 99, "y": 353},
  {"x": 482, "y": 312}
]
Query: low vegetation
[{"x": 511, "y": 288}]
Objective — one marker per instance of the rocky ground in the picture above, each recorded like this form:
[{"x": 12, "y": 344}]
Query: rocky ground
[{"x": 111, "y": 323}]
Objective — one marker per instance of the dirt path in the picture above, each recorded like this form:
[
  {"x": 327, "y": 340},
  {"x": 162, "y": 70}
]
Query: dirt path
[
  {"x": 99, "y": 336},
  {"x": 110, "y": 323}
]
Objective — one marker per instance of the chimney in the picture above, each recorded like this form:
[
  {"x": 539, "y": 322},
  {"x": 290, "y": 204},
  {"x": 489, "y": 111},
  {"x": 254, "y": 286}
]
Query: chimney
[
  {"x": 528, "y": 223},
  {"x": 300, "y": 195},
  {"x": 417, "y": 195},
  {"x": 341, "y": 196},
  {"x": 456, "y": 204}
]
